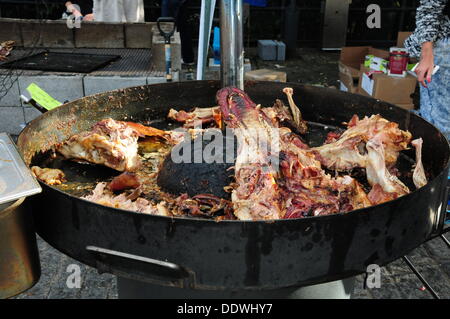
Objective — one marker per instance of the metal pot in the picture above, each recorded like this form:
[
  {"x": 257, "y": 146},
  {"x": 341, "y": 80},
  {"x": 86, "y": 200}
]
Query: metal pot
[
  {"x": 19, "y": 257},
  {"x": 249, "y": 255}
]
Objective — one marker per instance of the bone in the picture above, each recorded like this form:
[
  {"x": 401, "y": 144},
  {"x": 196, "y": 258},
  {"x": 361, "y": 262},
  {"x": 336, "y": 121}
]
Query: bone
[
  {"x": 377, "y": 172},
  {"x": 294, "y": 108},
  {"x": 419, "y": 177}
]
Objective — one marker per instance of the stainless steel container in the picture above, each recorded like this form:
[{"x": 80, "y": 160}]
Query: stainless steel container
[{"x": 19, "y": 257}]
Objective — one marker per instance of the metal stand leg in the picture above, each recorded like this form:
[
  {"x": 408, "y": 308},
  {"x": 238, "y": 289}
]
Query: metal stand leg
[
  {"x": 132, "y": 289},
  {"x": 418, "y": 274}
]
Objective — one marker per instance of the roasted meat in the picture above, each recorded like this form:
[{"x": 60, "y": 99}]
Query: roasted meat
[
  {"x": 205, "y": 205},
  {"x": 110, "y": 143},
  {"x": 5, "y": 49},
  {"x": 385, "y": 186},
  {"x": 257, "y": 195},
  {"x": 101, "y": 195},
  {"x": 349, "y": 150},
  {"x": 308, "y": 190},
  {"x": 285, "y": 181},
  {"x": 276, "y": 174},
  {"x": 209, "y": 116},
  {"x": 50, "y": 176},
  {"x": 126, "y": 180}
]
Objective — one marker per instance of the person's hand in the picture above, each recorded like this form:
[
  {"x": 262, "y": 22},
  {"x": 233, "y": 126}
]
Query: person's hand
[
  {"x": 89, "y": 17},
  {"x": 425, "y": 68},
  {"x": 72, "y": 9}
]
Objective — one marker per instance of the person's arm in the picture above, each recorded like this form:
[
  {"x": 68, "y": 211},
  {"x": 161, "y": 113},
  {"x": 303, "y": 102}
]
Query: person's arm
[
  {"x": 427, "y": 29},
  {"x": 426, "y": 65},
  {"x": 71, "y": 8}
]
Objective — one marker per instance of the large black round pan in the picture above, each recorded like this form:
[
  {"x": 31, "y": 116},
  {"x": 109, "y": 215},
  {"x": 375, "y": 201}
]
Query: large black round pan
[{"x": 204, "y": 254}]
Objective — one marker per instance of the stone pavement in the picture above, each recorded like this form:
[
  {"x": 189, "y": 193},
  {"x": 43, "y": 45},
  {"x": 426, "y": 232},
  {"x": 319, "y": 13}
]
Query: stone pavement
[{"x": 397, "y": 280}]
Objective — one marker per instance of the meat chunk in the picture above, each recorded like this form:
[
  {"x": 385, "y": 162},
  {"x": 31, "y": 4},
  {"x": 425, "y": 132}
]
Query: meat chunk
[
  {"x": 110, "y": 143},
  {"x": 50, "y": 176},
  {"x": 419, "y": 177},
  {"x": 257, "y": 195},
  {"x": 101, "y": 195},
  {"x": 280, "y": 116},
  {"x": 205, "y": 205},
  {"x": 349, "y": 150},
  {"x": 291, "y": 186},
  {"x": 124, "y": 181},
  {"x": 207, "y": 116},
  {"x": 5, "y": 49},
  {"x": 389, "y": 186}
]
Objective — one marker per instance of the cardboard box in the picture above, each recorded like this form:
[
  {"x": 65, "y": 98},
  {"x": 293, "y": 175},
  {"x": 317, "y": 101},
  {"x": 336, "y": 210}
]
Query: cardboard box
[
  {"x": 349, "y": 65},
  {"x": 387, "y": 88},
  {"x": 352, "y": 57},
  {"x": 266, "y": 75},
  {"x": 401, "y": 37},
  {"x": 349, "y": 82},
  {"x": 408, "y": 106}
]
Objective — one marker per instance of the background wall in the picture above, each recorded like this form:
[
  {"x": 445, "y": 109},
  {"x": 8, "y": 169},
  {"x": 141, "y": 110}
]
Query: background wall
[{"x": 264, "y": 22}]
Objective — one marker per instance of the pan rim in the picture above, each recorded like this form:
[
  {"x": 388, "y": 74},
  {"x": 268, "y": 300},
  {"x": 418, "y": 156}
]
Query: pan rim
[{"x": 389, "y": 105}]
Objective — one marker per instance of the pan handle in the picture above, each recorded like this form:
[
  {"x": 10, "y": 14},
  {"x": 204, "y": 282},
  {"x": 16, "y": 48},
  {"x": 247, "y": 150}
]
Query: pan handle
[{"x": 141, "y": 268}]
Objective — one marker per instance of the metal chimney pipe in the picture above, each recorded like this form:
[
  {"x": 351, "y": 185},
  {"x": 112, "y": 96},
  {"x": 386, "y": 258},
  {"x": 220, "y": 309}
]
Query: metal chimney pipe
[{"x": 231, "y": 44}]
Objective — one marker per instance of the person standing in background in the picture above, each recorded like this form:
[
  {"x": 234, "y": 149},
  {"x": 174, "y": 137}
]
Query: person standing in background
[
  {"x": 178, "y": 9},
  {"x": 431, "y": 42},
  {"x": 119, "y": 10}
]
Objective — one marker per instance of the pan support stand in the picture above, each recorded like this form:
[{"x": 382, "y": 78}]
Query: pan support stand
[{"x": 134, "y": 289}]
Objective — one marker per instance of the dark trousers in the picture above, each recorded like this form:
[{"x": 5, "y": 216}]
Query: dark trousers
[{"x": 178, "y": 10}]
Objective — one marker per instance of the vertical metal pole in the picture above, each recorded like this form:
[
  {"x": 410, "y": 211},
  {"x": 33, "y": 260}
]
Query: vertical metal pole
[
  {"x": 206, "y": 17},
  {"x": 291, "y": 14},
  {"x": 231, "y": 44}
]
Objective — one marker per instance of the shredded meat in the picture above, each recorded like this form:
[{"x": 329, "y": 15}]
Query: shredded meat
[
  {"x": 277, "y": 175},
  {"x": 299, "y": 188},
  {"x": 100, "y": 195},
  {"x": 50, "y": 176},
  {"x": 110, "y": 143},
  {"x": 349, "y": 150},
  {"x": 205, "y": 205},
  {"x": 378, "y": 174}
]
